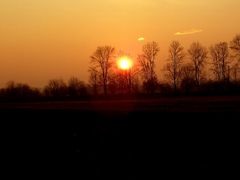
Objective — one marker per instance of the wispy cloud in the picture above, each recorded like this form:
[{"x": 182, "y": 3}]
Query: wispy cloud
[
  {"x": 188, "y": 32},
  {"x": 141, "y": 39}
]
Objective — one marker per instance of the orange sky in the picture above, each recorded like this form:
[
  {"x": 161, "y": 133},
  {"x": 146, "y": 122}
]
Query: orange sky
[{"x": 45, "y": 39}]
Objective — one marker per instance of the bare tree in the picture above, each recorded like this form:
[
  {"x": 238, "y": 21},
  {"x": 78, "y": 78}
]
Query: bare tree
[
  {"x": 76, "y": 88},
  {"x": 173, "y": 68},
  {"x": 220, "y": 57},
  {"x": 187, "y": 72},
  {"x": 56, "y": 88},
  {"x": 187, "y": 77},
  {"x": 235, "y": 54},
  {"x": 147, "y": 63},
  {"x": 198, "y": 56},
  {"x": 235, "y": 47},
  {"x": 235, "y": 70},
  {"x": 94, "y": 80},
  {"x": 101, "y": 62},
  {"x": 130, "y": 78},
  {"x": 124, "y": 80}
]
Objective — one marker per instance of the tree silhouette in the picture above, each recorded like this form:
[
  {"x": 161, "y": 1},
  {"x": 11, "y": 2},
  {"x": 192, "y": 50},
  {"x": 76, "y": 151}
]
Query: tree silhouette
[
  {"x": 20, "y": 91},
  {"x": 93, "y": 80},
  {"x": 235, "y": 52},
  {"x": 235, "y": 69},
  {"x": 187, "y": 71},
  {"x": 147, "y": 63},
  {"x": 76, "y": 88},
  {"x": 198, "y": 56},
  {"x": 101, "y": 62},
  {"x": 173, "y": 68},
  {"x": 56, "y": 88},
  {"x": 235, "y": 47},
  {"x": 122, "y": 81},
  {"x": 187, "y": 77},
  {"x": 127, "y": 80},
  {"x": 220, "y": 60}
]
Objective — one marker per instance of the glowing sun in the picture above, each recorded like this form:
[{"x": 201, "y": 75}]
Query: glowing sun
[{"x": 124, "y": 63}]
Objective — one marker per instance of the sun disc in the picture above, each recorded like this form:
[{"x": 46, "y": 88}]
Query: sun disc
[{"x": 124, "y": 63}]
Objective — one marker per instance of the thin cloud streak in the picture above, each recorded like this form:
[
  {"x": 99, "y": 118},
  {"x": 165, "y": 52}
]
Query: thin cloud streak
[
  {"x": 192, "y": 31},
  {"x": 141, "y": 39}
]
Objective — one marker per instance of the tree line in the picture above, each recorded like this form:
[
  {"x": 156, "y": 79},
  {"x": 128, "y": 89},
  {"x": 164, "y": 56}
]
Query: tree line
[
  {"x": 56, "y": 89},
  {"x": 185, "y": 71},
  {"x": 195, "y": 71}
]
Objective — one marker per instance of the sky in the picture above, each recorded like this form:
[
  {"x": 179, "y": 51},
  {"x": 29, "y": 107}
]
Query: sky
[{"x": 48, "y": 39}]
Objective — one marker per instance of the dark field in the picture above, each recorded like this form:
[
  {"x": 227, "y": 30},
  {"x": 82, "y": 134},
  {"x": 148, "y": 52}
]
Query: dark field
[
  {"x": 116, "y": 107},
  {"x": 125, "y": 137}
]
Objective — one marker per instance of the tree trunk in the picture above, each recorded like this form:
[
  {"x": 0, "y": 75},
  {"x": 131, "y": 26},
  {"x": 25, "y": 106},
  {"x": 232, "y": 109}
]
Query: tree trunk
[{"x": 105, "y": 88}]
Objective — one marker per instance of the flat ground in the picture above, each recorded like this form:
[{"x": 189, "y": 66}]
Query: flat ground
[
  {"x": 126, "y": 137},
  {"x": 167, "y": 104}
]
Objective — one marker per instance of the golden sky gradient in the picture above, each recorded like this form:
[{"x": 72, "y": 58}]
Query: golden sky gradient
[{"x": 45, "y": 39}]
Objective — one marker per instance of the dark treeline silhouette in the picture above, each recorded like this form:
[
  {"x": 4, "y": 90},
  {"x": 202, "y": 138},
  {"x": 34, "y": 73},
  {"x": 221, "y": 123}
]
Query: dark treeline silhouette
[
  {"x": 74, "y": 89},
  {"x": 56, "y": 89},
  {"x": 195, "y": 71},
  {"x": 19, "y": 92}
]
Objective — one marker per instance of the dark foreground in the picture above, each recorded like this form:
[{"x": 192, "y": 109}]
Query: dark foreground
[{"x": 123, "y": 139}]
